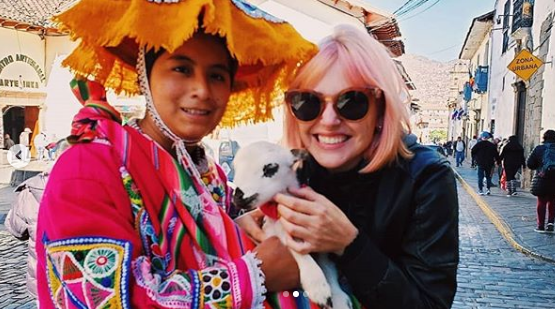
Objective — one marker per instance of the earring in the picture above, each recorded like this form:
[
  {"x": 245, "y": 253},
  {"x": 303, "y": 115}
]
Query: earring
[{"x": 379, "y": 128}]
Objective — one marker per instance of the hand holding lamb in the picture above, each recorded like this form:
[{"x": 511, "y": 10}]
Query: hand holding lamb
[{"x": 263, "y": 170}]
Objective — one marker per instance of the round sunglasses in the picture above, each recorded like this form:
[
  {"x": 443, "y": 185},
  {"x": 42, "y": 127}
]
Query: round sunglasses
[{"x": 351, "y": 103}]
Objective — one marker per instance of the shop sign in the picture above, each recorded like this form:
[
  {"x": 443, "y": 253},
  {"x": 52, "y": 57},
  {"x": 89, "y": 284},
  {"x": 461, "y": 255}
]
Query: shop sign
[
  {"x": 525, "y": 64},
  {"x": 20, "y": 82}
]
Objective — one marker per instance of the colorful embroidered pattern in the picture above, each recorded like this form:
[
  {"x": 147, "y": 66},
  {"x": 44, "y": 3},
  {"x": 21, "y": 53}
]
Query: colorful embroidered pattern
[
  {"x": 209, "y": 288},
  {"x": 88, "y": 272},
  {"x": 216, "y": 286}
]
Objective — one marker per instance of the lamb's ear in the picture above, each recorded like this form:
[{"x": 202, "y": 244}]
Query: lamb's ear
[{"x": 299, "y": 154}]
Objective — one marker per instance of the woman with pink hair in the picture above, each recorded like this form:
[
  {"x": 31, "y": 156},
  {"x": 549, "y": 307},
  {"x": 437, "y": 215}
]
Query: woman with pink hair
[{"x": 384, "y": 206}]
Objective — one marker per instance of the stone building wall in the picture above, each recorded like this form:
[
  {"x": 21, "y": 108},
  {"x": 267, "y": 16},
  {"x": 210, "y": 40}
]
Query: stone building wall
[{"x": 534, "y": 97}]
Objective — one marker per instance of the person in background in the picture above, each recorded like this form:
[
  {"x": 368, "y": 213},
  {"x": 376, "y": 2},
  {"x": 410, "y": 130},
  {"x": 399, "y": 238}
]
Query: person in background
[
  {"x": 543, "y": 186},
  {"x": 136, "y": 215},
  {"x": 448, "y": 148},
  {"x": 51, "y": 149},
  {"x": 486, "y": 156},
  {"x": 459, "y": 147},
  {"x": 24, "y": 138},
  {"x": 512, "y": 159},
  {"x": 40, "y": 141},
  {"x": 500, "y": 142},
  {"x": 21, "y": 220},
  {"x": 8, "y": 142},
  {"x": 385, "y": 206},
  {"x": 471, "y": 145}
]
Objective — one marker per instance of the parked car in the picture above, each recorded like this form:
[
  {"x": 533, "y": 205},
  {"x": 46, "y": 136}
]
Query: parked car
[{"x": 437, "y": 148}]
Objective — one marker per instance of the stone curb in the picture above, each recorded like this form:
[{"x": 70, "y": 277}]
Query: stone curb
[{"x": 498, "y": 222}]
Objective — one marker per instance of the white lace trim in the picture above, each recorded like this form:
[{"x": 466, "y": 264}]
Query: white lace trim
[{"x": 257, "y": 279}]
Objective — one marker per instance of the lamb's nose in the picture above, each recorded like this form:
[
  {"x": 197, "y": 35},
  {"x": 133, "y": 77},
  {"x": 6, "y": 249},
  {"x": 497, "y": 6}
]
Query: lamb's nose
[
  {"x": 243, "y": 202},
  {"x": 238, "y": 198}
]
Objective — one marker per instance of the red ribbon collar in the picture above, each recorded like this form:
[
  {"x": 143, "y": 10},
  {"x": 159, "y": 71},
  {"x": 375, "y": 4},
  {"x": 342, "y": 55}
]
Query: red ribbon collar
[{"x": 270, "y": 210}]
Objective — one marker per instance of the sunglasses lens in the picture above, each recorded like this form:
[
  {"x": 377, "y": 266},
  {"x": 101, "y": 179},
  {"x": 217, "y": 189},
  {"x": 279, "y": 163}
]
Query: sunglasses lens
[
  {"x": 353, "y": 105},
  {"x": 305, "y": 105}
]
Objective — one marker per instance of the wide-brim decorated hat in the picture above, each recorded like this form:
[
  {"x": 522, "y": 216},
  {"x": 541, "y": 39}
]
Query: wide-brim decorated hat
[{"x": 268, "y": 50}]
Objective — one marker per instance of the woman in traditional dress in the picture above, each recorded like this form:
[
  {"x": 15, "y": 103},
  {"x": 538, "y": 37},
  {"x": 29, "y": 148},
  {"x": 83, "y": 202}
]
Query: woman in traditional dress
[{"x": 135, "y": 215}]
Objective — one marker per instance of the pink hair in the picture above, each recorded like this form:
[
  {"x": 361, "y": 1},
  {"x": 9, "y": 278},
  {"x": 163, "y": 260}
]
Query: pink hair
[{"x": 364, "y": 60}]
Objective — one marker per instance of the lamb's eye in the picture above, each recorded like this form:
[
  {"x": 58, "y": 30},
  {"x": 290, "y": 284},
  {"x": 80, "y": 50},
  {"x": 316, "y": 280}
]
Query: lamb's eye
[{"x": 270, "y": 169}]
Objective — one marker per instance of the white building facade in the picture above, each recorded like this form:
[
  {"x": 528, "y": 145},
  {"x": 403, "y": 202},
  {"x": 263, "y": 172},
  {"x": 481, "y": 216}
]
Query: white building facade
[
  {"x": 477, "y": 115},
  {"x": 523, "y": 107},
  {"x": 517, "y": 106}
]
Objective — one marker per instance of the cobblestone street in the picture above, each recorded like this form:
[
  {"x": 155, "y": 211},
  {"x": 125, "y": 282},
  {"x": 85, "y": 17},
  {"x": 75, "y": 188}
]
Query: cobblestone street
[
  {"x": 13, "y": 289},
  {"x": 492, "y": 274}
]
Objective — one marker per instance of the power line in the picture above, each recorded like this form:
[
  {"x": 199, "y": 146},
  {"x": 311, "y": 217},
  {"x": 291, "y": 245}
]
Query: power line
[
  {"x": 403, "y": 10},
  {"x": 409, "y": 6},
  {"x": 442, "y": 50},
  {"x": 426, "y": 9}
]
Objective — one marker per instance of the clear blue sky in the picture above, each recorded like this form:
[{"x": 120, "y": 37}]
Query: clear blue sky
[{"x": 439, "y": 32}]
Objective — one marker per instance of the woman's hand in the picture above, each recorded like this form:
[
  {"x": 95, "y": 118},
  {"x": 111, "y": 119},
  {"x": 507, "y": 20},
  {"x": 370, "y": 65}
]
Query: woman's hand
[
  {"x": 251, "y": 223},
  {"x": 278, "y": 265},
  {"x": 313, "y": 223}
]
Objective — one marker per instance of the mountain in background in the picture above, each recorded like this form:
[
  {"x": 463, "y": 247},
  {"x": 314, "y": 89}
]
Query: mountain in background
[
  {"x": 430, "y": 77},
  {"x": 432, "y": 81}
]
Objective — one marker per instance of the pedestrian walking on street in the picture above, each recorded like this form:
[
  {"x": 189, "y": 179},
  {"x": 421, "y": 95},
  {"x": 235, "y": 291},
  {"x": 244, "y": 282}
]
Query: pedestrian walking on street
[
  {"x": 486, "y": 156},
  {"x": 8, "y": 142},
  {"x": 512, "y": 158},
  {"x": 135, "y": 215},
  {"x": 471, "y": 145},
  {"x": 459, "y": 147},
  {"x": 385, "y": 205},
  {"x": 448, "y": 148},
  {"x": 542, "y": 160}
]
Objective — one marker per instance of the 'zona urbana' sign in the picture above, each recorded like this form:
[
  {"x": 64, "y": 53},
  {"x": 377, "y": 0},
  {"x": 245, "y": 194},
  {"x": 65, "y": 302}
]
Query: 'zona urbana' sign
[{"x": 525, "y": 64}]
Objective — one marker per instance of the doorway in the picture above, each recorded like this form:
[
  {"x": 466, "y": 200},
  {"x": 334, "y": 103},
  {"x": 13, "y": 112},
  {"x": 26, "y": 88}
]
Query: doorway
[
  {"x": 14, "y": 121},
  {"x": 520, "y": 111}
]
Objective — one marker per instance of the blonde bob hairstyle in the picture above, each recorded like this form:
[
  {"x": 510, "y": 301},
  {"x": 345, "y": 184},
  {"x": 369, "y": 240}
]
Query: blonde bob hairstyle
[{"x": 365, "y": 60}]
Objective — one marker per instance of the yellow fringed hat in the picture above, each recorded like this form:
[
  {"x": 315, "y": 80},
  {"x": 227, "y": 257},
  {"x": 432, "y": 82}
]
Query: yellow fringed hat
[{"x": 111, "y": 32}]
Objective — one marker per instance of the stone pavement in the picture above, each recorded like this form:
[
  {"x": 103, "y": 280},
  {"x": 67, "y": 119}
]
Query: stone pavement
[
  {"x": 13, "y": 253},
  {"x": 491, "y": 273},
  {"x": 514, "y": 217},
  {"x": 13, "y": 268}
]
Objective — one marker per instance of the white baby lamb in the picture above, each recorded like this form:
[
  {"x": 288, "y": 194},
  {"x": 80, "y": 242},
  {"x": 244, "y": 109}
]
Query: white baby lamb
[{"x": 262, "y": 170}]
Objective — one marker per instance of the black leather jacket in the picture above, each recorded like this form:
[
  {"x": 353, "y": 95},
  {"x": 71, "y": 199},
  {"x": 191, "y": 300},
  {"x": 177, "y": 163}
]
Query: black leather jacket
[{"x": 406, "y": 253}]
